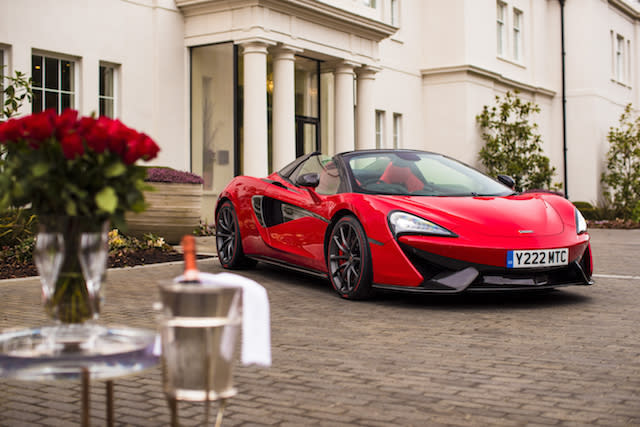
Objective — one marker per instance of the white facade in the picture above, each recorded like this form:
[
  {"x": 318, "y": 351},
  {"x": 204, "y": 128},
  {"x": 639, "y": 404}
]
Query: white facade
[{"x": 405, "y": 73}]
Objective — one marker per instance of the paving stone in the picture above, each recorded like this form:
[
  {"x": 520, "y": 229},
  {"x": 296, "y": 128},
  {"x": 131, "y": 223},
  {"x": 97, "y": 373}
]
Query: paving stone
[{"x": 570, "y": 357}]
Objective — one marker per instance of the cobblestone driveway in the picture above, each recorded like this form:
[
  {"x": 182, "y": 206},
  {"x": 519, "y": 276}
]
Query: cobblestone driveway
[{"x": 568, "y": 358}]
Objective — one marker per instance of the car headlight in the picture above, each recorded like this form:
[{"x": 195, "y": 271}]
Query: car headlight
[
  {"x": 405, "y": 223},
  {"x": 581, "y": 223}
]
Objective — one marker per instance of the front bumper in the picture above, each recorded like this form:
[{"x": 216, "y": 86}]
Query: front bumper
[{"x": 447, "y": 275}]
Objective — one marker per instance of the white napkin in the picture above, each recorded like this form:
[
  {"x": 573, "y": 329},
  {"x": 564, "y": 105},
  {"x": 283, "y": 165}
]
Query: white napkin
[{"x": 256, "y": 326}]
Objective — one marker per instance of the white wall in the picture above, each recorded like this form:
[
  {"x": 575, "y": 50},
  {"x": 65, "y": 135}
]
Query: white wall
[{"x": 145, "y": 40}]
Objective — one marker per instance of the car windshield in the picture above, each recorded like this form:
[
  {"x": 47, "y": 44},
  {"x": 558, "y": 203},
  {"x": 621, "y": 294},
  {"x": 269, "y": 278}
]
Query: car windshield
[{"x": 415, "y": 173}]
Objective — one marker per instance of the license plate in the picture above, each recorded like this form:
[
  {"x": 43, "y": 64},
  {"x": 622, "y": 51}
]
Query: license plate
[{"x": 537, "y": 258}]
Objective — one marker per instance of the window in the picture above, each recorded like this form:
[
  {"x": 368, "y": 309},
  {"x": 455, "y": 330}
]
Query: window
[
  {"x": 53, "y": 83},
  {"x": 397, "y": 130},
  {"x": 370, "y": 3},
  {"x": 107, "y": 91},
  {"x": 500, "y": 27},
  {"x": 379, "y": 129},
  {"x": 619, "y": 58},
  {"x": 621, "y": 49},
  {"x": 395, "y": 13},
  {"x": 517, "y": 35}
]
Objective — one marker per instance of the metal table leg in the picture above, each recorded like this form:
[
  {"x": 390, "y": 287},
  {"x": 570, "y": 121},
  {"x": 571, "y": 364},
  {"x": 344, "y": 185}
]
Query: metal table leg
[
  {"x": 85, "y": 397},
  {"x": 110, "y": 418}
]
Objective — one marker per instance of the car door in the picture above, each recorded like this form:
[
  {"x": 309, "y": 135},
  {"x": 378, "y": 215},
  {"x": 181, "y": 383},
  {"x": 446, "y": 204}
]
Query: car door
[{"x": 296, "y": 218}]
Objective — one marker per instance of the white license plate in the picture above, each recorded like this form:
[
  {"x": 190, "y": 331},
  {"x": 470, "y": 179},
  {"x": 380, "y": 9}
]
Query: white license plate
[{"x": 537, "y": 258}]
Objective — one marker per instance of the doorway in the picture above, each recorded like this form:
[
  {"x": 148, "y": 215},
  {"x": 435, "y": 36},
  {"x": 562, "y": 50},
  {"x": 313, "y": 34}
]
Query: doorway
[
  {"x": 307, "y": 135},
  {"x": 307, "y": 84}
]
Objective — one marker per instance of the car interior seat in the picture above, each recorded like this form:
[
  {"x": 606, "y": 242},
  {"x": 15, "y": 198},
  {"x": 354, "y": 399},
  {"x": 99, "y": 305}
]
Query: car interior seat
[{"x": 402, "y": 175}]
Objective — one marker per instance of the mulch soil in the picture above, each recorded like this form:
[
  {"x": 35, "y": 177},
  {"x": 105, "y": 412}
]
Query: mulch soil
[{"x": 120, "y": 259}]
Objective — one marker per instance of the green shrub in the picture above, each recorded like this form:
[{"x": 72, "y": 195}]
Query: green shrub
[
  {"x": 16, "y": 90},
  {"x": 587, "y": 209},
  {"x": 512, "y": 144},
  {"x": 635, "y": 215},
  {"x": 621, "y": 180},
  {"x": 603, "y": 211}
]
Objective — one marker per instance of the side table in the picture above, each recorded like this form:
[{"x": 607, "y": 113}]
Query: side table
[{"x": 30, "y": 355}]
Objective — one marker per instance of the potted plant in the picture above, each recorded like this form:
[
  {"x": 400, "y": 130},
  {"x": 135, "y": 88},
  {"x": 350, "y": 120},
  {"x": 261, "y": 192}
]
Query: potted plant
[{"x": 174, "y": 204}]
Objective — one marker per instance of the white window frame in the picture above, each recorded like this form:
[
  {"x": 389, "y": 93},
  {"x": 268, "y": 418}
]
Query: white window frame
[
  {"x": 379, "y": 129},
  {"x": 75, "y": 80},
  {"x": 620, "y": 58},
  {"x": 370, "y": 3},
  {"x": 115, "y": 69},
  {"x": 397, "y": 130},
  {"x": 501, "y": 24},
  {"x": 517, "y": 35}
]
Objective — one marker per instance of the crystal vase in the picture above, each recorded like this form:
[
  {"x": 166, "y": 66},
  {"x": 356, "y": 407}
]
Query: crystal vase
[{"x": 71, "y": 257}]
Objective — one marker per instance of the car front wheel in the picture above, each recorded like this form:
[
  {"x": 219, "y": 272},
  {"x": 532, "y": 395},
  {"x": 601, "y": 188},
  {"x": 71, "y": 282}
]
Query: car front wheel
[
  {"x": 228, "y": 241},
  {"x": 349, "y": 259}
]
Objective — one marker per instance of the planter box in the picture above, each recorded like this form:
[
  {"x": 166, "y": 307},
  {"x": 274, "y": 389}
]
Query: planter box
[{"x": 173, "y": 211}]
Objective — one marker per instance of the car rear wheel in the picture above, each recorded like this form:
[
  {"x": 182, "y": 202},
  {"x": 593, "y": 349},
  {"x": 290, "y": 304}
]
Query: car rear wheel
[
  {"x": 349, "y": 259},
  {"x": 228, "y": 241}
]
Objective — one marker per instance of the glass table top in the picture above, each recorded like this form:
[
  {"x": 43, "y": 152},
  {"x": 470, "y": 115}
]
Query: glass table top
[{"x": 51, "y": 353}]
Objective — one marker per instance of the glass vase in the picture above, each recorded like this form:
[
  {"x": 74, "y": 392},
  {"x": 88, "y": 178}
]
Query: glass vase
[{"x": 64, "y": 245}]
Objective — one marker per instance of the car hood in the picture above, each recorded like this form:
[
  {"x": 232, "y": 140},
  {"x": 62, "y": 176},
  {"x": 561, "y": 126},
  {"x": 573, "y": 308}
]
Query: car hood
[{"x": 518, "y": 215}]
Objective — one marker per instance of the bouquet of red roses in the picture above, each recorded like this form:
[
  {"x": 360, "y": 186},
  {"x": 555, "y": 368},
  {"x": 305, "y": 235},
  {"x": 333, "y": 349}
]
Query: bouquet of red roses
[{"x": 66, "y": 165}]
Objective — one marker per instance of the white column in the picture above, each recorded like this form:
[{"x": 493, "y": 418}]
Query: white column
[
  {"x": 284, "y": 107},
  {"x": 255, "y": 149},
  {"x": 344, "y": 115},
  {"x": 365, "y": 109}
]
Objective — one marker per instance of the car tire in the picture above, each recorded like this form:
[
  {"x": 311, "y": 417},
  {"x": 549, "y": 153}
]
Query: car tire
[
  {"x": 228, "y": 240},
  {"x": 349, "y": 259}
]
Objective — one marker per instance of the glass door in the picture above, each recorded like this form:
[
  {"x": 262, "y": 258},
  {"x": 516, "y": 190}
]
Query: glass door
[
  {"x": 307, "y": 83},
  {"x": 307, "y": 130}
]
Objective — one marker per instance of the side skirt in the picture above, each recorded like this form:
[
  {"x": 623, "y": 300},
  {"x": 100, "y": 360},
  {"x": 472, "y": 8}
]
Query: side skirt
[{"x": 282, "y": 264}]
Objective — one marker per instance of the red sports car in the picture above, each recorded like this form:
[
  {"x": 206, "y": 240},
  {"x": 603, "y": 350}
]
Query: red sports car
[{"x": 402, "y": 220}]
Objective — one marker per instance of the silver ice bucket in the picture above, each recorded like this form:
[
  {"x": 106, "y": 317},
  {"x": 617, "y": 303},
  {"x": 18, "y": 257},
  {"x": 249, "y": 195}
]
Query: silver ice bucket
[{"x": 199, "y": 328}]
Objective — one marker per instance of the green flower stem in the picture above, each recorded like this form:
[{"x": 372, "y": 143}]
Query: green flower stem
[{"x": 70, "y": 302}]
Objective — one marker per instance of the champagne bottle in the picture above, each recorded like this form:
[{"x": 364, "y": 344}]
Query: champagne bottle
[{"x": 191, "y": 273}]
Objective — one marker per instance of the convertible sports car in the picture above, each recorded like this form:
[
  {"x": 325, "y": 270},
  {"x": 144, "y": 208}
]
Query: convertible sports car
[{"x": 402, "y": 220}]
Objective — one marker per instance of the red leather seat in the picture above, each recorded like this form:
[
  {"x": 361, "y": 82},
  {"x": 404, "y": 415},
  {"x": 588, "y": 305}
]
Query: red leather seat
[{"x": 394, "y": 174}]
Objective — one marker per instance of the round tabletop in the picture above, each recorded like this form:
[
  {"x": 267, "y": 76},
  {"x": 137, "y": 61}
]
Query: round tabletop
[{"x": 51, "y": 353}]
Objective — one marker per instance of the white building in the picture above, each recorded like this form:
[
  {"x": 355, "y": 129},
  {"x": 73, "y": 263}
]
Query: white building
[{"x": 229, "y": 87}]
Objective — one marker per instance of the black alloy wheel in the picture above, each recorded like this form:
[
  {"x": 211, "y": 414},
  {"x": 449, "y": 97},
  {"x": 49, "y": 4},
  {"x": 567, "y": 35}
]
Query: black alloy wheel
[
  {"x": 228, "y": 241},
  {"x": 349, "y": 259}
]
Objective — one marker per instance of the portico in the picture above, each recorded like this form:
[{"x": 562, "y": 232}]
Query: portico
[{"x": 299, "y": 86}]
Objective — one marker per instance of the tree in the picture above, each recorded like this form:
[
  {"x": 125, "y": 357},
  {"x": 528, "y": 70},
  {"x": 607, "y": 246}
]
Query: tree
[
  {"x": 16, "y": 89},
  {"x": 622, "y": 176},
  {"x": 512, "y": 144}
]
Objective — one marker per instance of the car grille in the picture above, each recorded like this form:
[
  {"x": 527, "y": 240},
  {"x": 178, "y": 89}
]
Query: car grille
[{"x": 434, "y": 267}]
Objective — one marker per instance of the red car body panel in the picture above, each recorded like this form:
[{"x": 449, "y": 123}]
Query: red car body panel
[{"x": 486, "y": 228}]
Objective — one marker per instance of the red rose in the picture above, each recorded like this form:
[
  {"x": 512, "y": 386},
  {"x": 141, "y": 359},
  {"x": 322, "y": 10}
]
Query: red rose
[
  {"x": 132, "y": 153},
  {"x": 65, "y": 122},
  {"x": 39, "y": 127},
  {"x": 95, "y": 132},
  {"x": 149, "y": 149},
  {"x": 118, "y": 136},
  {"x": 72, "y": 146},
  {"x": 11, "y": 131}
]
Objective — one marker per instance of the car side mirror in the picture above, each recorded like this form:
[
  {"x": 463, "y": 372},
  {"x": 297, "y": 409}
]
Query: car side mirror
[
  {"x": 508, "y": 181},
  {"x": 308, "y": 180}
]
